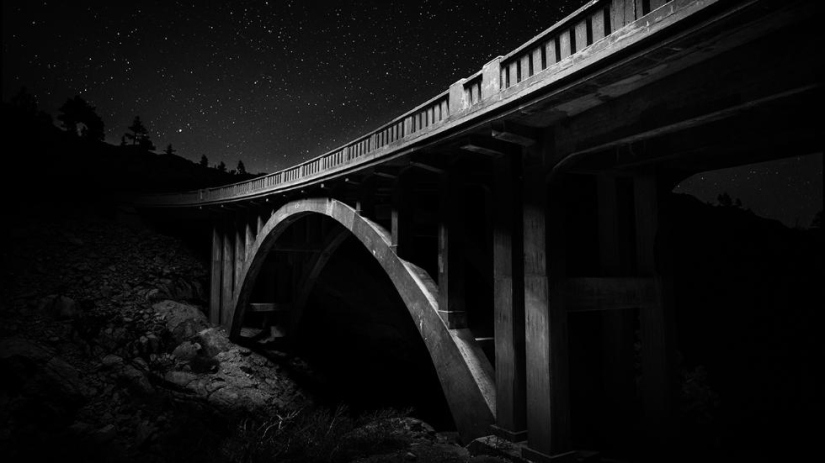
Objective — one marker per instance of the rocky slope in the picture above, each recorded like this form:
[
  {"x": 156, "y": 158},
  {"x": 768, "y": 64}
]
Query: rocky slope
[{"x": 106, "y": 355}]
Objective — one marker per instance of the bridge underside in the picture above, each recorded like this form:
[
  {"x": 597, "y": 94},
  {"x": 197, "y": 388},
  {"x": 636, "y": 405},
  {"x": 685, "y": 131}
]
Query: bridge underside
[{"x": 505, "y": 233}]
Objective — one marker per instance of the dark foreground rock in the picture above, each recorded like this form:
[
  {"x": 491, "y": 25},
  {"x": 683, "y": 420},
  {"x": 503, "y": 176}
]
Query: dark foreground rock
[{"x": 106, "y": 354}]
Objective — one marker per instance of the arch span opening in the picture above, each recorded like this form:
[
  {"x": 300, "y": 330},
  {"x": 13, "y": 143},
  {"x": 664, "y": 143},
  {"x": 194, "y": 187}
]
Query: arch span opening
[
  {"x": 357, "y": 332},
  {"x": 464, "y": 373}
]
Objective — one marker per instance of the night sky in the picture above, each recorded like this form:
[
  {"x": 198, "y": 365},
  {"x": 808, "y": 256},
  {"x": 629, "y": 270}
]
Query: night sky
[
  {"x": 275, "y": 83},
  {"x": 272, "y": 83}
]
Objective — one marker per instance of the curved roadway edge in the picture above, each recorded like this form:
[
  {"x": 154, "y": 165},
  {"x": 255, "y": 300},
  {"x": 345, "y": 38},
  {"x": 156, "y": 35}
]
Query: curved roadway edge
[{"x": 467, "y": 377}]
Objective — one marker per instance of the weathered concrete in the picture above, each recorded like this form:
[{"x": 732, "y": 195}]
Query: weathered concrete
[{"x": 466, "y": 375}]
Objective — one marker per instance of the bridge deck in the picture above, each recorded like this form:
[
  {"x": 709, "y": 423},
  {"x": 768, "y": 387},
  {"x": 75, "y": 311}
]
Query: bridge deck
[{"x": 593, "y": 56}]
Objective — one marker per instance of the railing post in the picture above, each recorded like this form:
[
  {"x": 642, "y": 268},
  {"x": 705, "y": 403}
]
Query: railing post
[
  {"x": 458, "y": 97},
  {"x": 491, "y": 78},
  {"x": 408, "y": 126}
]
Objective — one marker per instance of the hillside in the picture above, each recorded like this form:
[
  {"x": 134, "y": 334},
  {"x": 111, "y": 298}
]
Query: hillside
[{"x": 42, "y": 160}]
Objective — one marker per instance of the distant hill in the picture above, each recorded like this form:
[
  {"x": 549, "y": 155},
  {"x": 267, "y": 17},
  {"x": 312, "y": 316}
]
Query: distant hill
[
  {"x": 748, "y": 295},
  {"x": 41, "y": 159}
]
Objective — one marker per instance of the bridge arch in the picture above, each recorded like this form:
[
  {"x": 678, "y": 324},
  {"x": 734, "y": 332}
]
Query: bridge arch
[{"x": 466, "y": 376}]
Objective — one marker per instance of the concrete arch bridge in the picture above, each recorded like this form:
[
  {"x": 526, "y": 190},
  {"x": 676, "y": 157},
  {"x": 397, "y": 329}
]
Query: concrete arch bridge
[{"x": 524, "y": 199}]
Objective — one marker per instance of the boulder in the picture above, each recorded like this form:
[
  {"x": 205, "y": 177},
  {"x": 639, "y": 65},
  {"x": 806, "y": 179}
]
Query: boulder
[
  {"x": 32, "y": 371},
  {"x": 60, "y": 307},
  {"x": 186, "y": 351},
  {"x": 112, "y": 360},
  {"x": 494, "y": 446},
  {"x": 135, "y": 380},
  {"x": 182, "y": 320},
  {"x": 180, "y": 378},
  {"x": 213, "y": 341}
]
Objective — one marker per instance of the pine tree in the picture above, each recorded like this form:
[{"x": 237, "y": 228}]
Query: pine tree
[
  {"x": 241, "y": 170},
  {"x": 139, "y": 135},
  {"x": 221, "y": 167},
  {"x": 79, "y": 118},
  {"x": 204, "y": 161},
  {"x": 169, "y": 150}
]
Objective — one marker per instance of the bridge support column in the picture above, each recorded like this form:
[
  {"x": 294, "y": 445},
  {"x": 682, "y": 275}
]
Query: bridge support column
[
  {"x": 240, "y": 250},
  {"x": 508, "y": 281},
  {"x": 227, "y": 275},
  {"x": 617, "y": 325},
  {"x": 365, "y": 205},
  {"x": 548, "y": 413},
  {"x": 215, "y": 275},
  {"x": 656, "y": 320},
  {"x": 451, "y": 252},
  {"x": 249, "y": 231},
  {"x": 402, "y": 217}
]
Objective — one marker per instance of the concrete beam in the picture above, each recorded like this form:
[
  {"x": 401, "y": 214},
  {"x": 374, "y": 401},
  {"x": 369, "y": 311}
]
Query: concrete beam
[
  {"x": 486, "y": 146},
  {"x": 514, "y": 133}
]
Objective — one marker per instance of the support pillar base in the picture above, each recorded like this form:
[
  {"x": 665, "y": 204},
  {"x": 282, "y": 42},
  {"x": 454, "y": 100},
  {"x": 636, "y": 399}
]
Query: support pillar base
[
  {"x": 535, "y": 455},
  {"x": 512, "y": 436}
]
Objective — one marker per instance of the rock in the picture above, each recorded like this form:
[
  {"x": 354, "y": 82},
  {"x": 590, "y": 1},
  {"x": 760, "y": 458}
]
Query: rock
[
  {"x": 495, "y": 446},
  {"x": 180, "y": 378},
  {"x": 182, "y": 320},
  {"x": 154, "y": 343},
  {"x": 32, "y": 370},
  {"x": 60, "y": 307},
  {"x": 186, "y": 351},
  {"x": 135, "y": 380},
  {"x": 213, "y": 341},
  {"x": 144, "y": 432},
  {"x": 202, "y": 364},
  {"x": 66, "y": 379},
  {"x": 105, "y": 434},
  {"x": 234, "y": 399},
  {"x": 112, "y": 360},
  {"x": 153, "y": 295}
]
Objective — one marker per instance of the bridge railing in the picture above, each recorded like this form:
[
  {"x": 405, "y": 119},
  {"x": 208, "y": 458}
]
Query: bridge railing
[{"x": 535, "y": 59}]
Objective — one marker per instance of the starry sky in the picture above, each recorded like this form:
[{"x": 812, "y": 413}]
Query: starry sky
[
  {"x": 271, "y": 83},
  {"x": 277, "y": 82}
]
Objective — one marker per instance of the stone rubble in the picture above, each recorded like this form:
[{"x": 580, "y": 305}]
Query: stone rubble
[{"x": 104, "y": 336}]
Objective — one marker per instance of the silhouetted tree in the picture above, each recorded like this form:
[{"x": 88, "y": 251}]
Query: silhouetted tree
[
  {"x": 204, "y": 161},
  {"x": 79, "y": 118},
  {"x": 221, "y": 167},
  {"x": 725, "y": 200},
  {"x": 139, "y": 135},
  {"x": 241, "y": 170},
  {"x": 169, "y": 150},
  {"x": 24, "y": 101}
]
